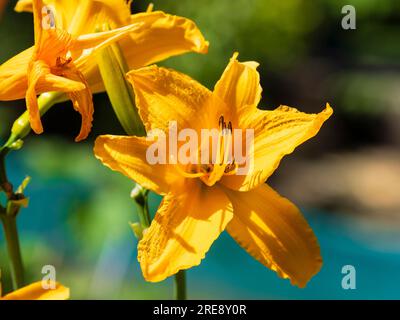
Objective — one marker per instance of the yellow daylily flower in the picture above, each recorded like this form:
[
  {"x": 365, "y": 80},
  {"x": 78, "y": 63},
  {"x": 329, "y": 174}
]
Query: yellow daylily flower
[
  {"x": 62, "y": 58},
  {"x": 53, "y": 64},
  {"x": 161, "y": 36},
  {"x": 201, "y": 201},
  {"x": 35, "y": 291}
]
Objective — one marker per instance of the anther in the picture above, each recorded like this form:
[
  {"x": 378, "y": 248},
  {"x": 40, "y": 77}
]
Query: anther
[
  {"x": 221, "y": 121},
  {"x": 207, "y": 168},
  {"x": 61, "y": 62},
  {"x": 229, "y": 168}
]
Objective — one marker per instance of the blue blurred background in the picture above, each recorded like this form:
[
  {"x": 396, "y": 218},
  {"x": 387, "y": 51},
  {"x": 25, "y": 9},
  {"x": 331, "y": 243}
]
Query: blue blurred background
[{"x": 346, "y": 180}]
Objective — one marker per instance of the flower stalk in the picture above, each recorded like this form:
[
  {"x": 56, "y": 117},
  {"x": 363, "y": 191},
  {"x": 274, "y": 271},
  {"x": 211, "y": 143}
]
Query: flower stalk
[
  {"x": 13, "y": 248},
  {"x": 4, "y": 184},
  {"x": 8, "y": 216},
  {"x": 21, "y": 127},
  {"x": 15, "y": 200},
  {"x": 180, "y": 285}
]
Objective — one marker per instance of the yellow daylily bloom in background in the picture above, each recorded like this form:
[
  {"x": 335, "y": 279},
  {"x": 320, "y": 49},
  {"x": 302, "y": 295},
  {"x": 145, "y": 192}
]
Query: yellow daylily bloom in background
[
  {"x": 160, "y": 37},
  {"x": 35, "y": 291},
  {"x": 53, "y": 64},
  {"x": 83, "y": 16},
  {"x": 62, "y": 60},
  {"x": 199, "y": 203}
]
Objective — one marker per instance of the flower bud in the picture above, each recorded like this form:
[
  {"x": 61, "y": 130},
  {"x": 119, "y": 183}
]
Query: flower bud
[
  {"x": 113, "y": 67},
  {"x": 137, "y": 230}
]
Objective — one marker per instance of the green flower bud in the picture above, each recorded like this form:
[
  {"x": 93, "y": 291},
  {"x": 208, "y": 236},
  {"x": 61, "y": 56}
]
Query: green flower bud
[{"x": 113, "y": 67}]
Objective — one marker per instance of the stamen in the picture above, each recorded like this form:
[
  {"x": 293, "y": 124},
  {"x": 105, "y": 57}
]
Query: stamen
[
  {"x": 224, "y": 164},
  {"x": 62, "y": 62},
  {"x": 221, "y": 122},
  {"x": 189, "y": 175},
  {"x": 231, "y": 168},
  {"x": 207, "y": 168}
]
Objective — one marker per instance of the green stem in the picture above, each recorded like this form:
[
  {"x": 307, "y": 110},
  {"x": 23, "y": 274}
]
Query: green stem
[
  {"x": 21, "y": 126},
  {"x": 13, "y": 248},
  {"x": 8, "y": 217},
  {"x": 180, "y": 285}
]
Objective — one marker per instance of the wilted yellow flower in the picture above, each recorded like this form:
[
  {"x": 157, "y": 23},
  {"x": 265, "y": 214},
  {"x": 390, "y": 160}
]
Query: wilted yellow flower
[
  {"x": 62, "y": 60},
  {"x": 161, "y": 36},
  {"x": 201, "y": 200},
  {"x": 52, "y": 64},
  {"x": 35, "y": 291}
]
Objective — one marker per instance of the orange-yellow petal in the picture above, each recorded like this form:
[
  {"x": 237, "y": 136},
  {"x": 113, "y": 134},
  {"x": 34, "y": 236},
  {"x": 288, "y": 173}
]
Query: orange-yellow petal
[
  {"x": 23, "y": 6},
  {"x": 161, "y": 37},
  {"x": 96, "y": 41},
  {"x": 276, "y": 134},
  {"x": 54, "y": 44},
  {"x": 41, "y": 80},
  {"x": 82, "y": 100},
  {"x": 37, "y": 6},
  {"x": 183, "y": 230},
  {"x": 35, "y": 291},
  {"x": 13, "y": 79},
  {"x": 37, "y": 69},
  {"x": 51, "y": 82},
  {"x": 239, "y": 87},
  {"x": 273, "y": 231},
  {"x": 85, "y": 16},
  {"x": 164, "y": 95},
  {"x": 127, "y": 155},
  {"x": 80, "y": 17}
]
